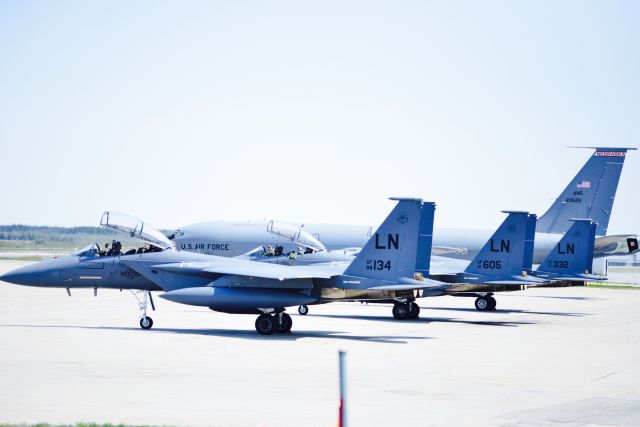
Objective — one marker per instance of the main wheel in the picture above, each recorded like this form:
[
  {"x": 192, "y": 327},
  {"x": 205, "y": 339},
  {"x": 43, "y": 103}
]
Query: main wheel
[
  {"x": 265, "y": 324},
  {"x": 482, "y": 303},
  {"x": 400, "y": 311},
  {"x": 492, "y": 303},
  {"x": 282, "y": 324},
  {"x": 303, "y": 310},
  {"x": 415, "y": 311},
  {"x": 146, "y": 322}
]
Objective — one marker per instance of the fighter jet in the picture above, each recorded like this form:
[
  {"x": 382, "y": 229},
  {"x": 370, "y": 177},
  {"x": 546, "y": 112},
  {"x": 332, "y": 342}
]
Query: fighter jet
[
  {"x": 590, "y": 194},
  {"x": 572, "y": 258},
  {"x": 505, "y": 261},
  {"x": 392, "y": 265}
]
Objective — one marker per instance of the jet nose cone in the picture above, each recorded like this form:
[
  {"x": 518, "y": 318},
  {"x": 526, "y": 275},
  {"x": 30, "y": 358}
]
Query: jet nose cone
[{"x": 30, "y": 275}]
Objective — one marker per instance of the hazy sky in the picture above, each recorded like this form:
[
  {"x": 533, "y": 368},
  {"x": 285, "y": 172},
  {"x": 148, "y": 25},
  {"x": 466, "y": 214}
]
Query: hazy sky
[{"x": 186, "y": 111}]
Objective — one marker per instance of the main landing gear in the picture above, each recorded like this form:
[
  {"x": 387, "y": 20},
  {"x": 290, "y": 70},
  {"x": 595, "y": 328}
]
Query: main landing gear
[
  {"x": 280, "y": 323},
  {"x": 406, "y": 310},
  {"x": 146, "y": 322},
  {"x": 485, "y": 303}
]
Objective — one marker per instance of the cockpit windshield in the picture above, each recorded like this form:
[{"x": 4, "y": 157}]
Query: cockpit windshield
[
  {"x": 91, "y": 250},
  {"x": 296, "y": 234},
  {"x": 136, "y": 228}
]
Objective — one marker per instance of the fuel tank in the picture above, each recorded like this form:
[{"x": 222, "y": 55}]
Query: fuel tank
[{"x": 238, "y": 300}]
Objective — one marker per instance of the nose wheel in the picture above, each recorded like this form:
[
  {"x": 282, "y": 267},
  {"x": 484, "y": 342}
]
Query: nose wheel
[
  {"x": 146, "y": 322},
  {"x": 303, "y": 310}
]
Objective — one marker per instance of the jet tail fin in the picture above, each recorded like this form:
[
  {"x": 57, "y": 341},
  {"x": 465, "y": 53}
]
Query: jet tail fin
[
  {"x": 510, "y": 250},
  {"x": 574, "y": 252},
  {"x": 590, "y": 194},
  {"x": 401, "y": 246}
]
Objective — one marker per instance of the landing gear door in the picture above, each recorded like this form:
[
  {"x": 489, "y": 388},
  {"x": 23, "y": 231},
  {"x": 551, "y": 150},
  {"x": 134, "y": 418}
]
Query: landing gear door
[{"x": 136, "y": 228}]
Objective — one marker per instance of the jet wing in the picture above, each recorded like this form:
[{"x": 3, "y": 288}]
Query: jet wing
[
  {"x": 447, "y": 266},
  {"x": 615, "y": 245},
  {"x": 240, "y": 267},
  {"x": 411, "y": 284},
  {"x": 442, "y": 250}
]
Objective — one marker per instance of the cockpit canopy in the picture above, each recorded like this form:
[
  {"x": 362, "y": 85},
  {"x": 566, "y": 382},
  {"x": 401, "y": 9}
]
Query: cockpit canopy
[
  {"x": 136, "y": 228},
  {"x": 89, "y": 251},
  {"x": 296, "y": 234}
]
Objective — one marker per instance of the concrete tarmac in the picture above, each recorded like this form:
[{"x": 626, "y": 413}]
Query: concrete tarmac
[{"x": 567, "y": 356}]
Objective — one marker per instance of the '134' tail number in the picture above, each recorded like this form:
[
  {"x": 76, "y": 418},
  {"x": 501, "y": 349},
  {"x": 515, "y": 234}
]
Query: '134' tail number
[{"x": 378, "y": 264}]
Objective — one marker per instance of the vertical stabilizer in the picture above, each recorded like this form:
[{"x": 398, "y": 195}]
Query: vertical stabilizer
[
  {"x": 590, "y": 194},
  {"x": 401, "y": 246},
  {"x": 574, "y": 252},
  {"x": 504, "y": 253}
]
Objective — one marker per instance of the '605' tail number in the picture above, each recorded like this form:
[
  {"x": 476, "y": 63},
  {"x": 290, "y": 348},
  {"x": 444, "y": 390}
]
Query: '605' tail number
[
  {"x": 489, "y": 265},
  {"x": 378, "y": 264}
]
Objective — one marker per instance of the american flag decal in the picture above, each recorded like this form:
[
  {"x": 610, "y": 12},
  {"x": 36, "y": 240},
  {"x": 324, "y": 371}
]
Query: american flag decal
[{"x": 584, "y": 184}]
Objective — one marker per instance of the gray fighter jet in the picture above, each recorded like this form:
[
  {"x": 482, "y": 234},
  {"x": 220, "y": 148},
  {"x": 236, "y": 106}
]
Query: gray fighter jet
[{"x": 392, "y": 265}]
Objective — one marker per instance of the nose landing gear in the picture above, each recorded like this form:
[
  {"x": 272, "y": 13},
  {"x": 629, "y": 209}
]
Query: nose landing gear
[{"x": 146, "y": 322}]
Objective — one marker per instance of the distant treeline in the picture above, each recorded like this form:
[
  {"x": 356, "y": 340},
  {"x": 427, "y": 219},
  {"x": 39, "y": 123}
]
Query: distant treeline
[{"x": 40, "y": 237}]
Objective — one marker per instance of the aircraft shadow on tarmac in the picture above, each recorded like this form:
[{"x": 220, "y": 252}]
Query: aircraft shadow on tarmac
[
  {"x": 507, "y": 311},
  {"x": 428, "y": 319},
  {"x": 242, "y": 334},
  {"x": 571, "y": 298}
]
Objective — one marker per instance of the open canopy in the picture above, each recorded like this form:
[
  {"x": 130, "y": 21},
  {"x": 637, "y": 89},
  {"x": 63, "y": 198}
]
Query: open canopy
[
  {"x": 296, "y": 234},
  {"x": 136, "y": 228}
]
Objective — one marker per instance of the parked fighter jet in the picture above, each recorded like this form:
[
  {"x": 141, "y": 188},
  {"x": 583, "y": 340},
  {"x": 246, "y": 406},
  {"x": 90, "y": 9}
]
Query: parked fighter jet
[
  {"x": 393, "y": 264},
  {"x": 572, "y": 258},
  {"x": 505, "y": 261},
  {"x": 590, "y": 194}
]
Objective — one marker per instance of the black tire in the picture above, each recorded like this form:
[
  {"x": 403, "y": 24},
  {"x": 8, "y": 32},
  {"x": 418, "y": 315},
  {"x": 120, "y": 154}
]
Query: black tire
[
  {"x": 415, "y": 311},
  {"x": 492, "y": 303},
  {"x": 400, "y": 311},
  {"x": 265, "y": 324},
  {"x": 303, "y": 310},
  {"x": 282, "y": 324},
  {"x": 482, "y": 304},
  {"x": 146, "y": 322}
]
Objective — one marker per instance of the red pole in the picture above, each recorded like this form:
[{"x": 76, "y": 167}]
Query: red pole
[{"x": 342, "y": 412}]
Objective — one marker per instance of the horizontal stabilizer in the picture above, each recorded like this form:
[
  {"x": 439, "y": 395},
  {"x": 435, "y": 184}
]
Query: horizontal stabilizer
[{"x": 515, "y": 282}]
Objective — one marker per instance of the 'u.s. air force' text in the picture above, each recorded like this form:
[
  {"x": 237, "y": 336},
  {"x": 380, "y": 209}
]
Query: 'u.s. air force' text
[{"x": 204, "y": 246}]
